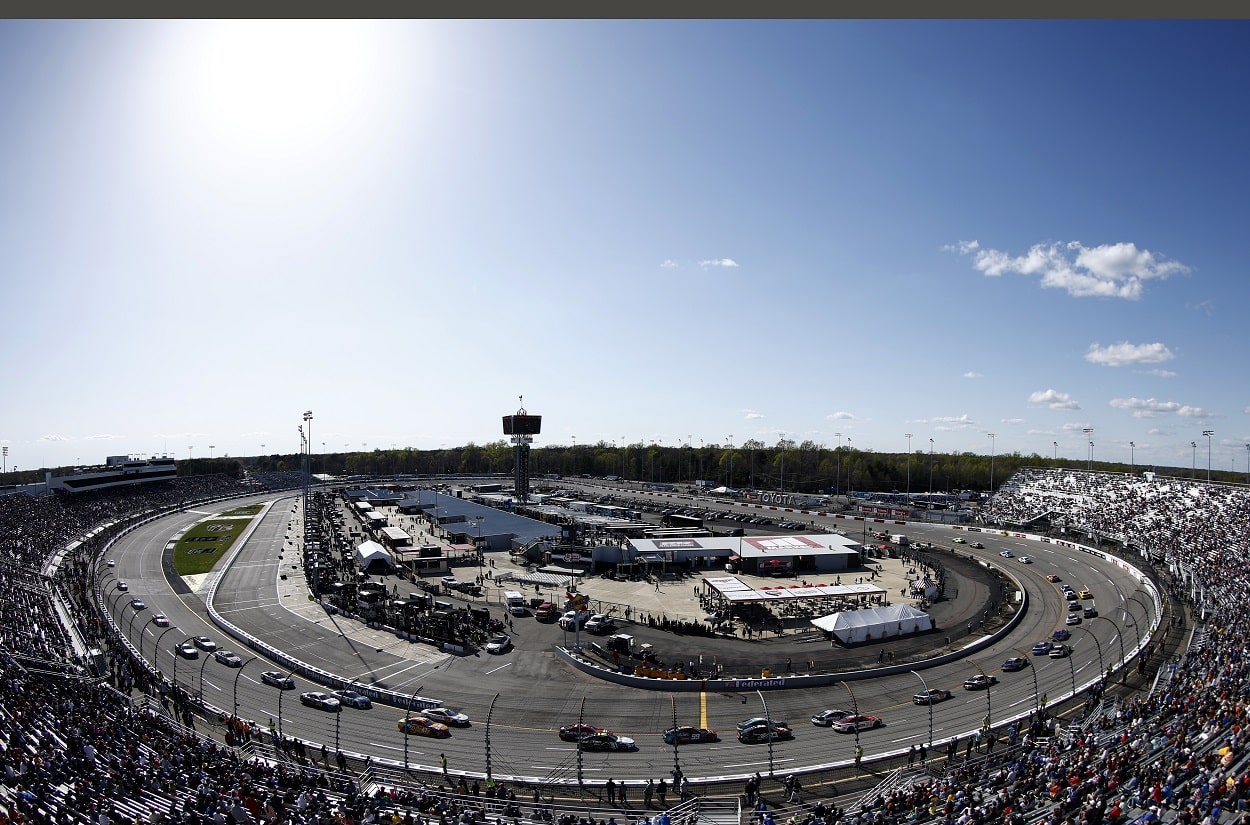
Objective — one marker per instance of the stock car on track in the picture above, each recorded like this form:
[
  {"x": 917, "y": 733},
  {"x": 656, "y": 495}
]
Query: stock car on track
[
  {"x": 606, "y": 742},
  {"x": 420, "y": 726},
  {"x": 765, "y": 732},
  {"x": 1042, "y": 648},
  {"x": 759, "y": 720},
  {"x": 204, "y": 643},
  {"x": 688, "y": 734},
  {"x": 931, "y": 696},
  {"x": 160, "y": 620},
  {"x": 824, "y": 719},
  {"x": 447, "y": 716},
  {"x": 853, "y": 723},
  {"x": 979, "y": 682},
  {"x": 571, "y": 733},
  {"x": 352, "y": 699},
  {"x": 321, "y": 701},
  {"x": 186, "y": 650},
  {"x": 228, "y": 658},
  {"x": 1015, "y": 663},
  {"x": 278, "y": 679}
]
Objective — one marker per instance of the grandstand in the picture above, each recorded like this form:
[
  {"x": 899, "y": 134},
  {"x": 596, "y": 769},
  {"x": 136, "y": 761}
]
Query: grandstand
[{"x": 81, "y": 748}]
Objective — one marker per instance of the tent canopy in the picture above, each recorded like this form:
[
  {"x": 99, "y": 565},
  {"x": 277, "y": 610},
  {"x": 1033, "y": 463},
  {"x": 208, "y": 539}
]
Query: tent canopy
[
  {"x": 853, "y": 626},
  {"x": 371, "y": 553}
]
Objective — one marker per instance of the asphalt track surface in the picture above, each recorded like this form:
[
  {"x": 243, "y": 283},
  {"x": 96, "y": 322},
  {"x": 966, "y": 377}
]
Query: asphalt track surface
[{"x": 533, "y": 692}]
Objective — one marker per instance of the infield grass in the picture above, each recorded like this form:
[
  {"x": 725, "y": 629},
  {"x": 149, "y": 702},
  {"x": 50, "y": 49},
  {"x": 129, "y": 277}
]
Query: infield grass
[{"x": 201, "y": 547}]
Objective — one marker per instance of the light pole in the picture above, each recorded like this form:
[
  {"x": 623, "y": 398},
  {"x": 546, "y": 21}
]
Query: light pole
[
  {"x": 1248, "y": 463},
  {"x": 930, "y": 703},
  {"x": 490, "y": 712},
  {"x": 206, "y": 658},
  {"x": 178, "y": 656},
  {"x": 854, "y": 710},
  {"x": 1089, "y": 464},
  {"x": 1132, "y": 462},
  {"x": 211, "y": 447},
  {"x": 236, "y": 684},
  {"x": 1033, "y": 673},
  {"x": 768, "y": 732},
  {"x": 1056, "y": 444},
  {"x": 1208, "y": 434},
  {"x": 992, "y": 437},
  {"x": 5, "y": 466},
  {"x": 908, "y": 435},
  {"x": 930, "y": 473},
  {"x": 156, "y": 657},
  {"x": 281, "y": 691},
  {"x": 407, "y": 717},
  {"x": 989, "y": 708},
  {"x": 1102, "y": 665},
  {"x": 1193, "y": 466},
  {"x": 837, "y": 483}
]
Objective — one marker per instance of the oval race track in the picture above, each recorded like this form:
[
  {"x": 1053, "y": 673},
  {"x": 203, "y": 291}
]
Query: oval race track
[{"x": 534, "y": 692}]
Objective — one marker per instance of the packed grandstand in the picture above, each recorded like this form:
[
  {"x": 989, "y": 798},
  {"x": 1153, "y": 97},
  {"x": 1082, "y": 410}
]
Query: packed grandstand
[{"x": 86, "y": 740}]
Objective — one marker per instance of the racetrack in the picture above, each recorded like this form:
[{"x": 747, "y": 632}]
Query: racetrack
[{"x": 534, "y": 693}]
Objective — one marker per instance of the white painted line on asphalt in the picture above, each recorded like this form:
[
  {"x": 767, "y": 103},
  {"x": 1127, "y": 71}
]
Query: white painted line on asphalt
[
  {"x": 756, "y": 764},
  {"x": 495, "y": 670}
]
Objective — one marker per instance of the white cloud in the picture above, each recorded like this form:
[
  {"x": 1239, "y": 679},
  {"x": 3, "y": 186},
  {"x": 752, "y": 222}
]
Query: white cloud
[
  {"x": 1145, "y": 408},
  {"x": 1117, "y": 355},
  {"x": 953, "y": 422},
  {"x": 104, "y": 437},
  {"x": 1246, "y": 410},
  {"x": 51, "y": 437},
  {"x": 1012, "y": 421},
  {"x": 963, "y": 247},
  {"x": 1110, "y": 270},
  {"x": 1156, "y": 431},
  {"x": 750, "y": 414},
  {"x": 1054, "y": 399},
  {"x": 668, "y": 264},
  {"x": 973, "y": 374},
  {"x": 1158, "y": 373},
  {"x": 842, "y": 415},
  {"x": 1194, "y": 412},
  {"x": 1073, "y": 427},
  {"x": 724, "y": 262},
  {"x": 1039, "y": 432}
]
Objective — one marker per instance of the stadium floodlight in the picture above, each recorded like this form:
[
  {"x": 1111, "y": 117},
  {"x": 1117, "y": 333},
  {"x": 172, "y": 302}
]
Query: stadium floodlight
[{"x": 1208, "y": 434}]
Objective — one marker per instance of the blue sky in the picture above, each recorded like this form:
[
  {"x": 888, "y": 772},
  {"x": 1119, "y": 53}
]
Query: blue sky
[{"x": 653, "y": 231}]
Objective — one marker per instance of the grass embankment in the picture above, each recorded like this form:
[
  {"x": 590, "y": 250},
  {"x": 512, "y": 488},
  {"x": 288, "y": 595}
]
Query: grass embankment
[{"x": 202, "y": 546}]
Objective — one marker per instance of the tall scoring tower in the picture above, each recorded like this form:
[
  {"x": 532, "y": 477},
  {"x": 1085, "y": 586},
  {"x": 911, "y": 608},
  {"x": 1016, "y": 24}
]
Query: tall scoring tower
[{"x": 522, "y": 427}]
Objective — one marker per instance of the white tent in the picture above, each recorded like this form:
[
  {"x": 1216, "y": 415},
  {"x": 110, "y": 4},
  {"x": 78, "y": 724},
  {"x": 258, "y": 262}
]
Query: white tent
[
  {"x": 853, "y": 626},
  {"x": 371, "y": 553}
]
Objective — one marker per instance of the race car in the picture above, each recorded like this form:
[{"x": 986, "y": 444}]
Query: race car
[
  {"x": 853, "y": 723},
  {"x": 319, "y": 700},
  {"x": 571, "y": 733},
  {"x": 979, "y": 682},
  {"x": 1015, "y": 663},
  {"x": 688, "y": 734},
  {"x": 824, "y": 719},
  {"x": 606, "y": 742},
  {"x": 420, "y": 726},
  {"x": 764, "y": 733},
  {"x": 931, "y": 696},
  {"x": 447, "y": 716}
]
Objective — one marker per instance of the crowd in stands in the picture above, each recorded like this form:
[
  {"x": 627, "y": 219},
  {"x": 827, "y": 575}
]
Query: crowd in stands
[{"x": 79, "y": 749}]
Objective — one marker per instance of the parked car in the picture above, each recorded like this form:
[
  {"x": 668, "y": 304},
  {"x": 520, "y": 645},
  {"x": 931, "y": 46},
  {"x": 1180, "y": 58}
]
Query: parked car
[
  {"x": 600, "y": 623},
  {"x": 606, "y": 742},
  {"x": 499, "y": 643},
  {"x": 931, "y": 696},
  {"x": 573, "y": 618},
  {"x": 278, "y": 679},
  {"x": 160, "y": 620},
  {"x": 688, "y": 734},
  {"x": 228, "y": 658},
  {"x": 447, "y": 716},
  {"x": 187, "y": 650},
  {"x": 352, "y": 699},
  {"x": 420, "y": 726},
  {"x": 824, "y": 719},
  {"x": 1015, "y": 663},
  {"x": 979, "y": 682},
  {"x": 853, "y": 723},
  {"x": 204, "y": 643},
  {"x": 571, "y": 733},
  {"x": 319, "y": 700}
]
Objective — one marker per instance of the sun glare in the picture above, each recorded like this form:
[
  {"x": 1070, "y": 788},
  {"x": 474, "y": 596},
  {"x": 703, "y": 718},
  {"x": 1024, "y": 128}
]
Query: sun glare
[{"x": 278, "y": 81}]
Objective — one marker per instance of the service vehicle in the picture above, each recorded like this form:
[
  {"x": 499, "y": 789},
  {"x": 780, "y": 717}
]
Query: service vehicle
[
  {"x": 515, "y": 602},
  {"x": 499, "y": 643},
  {"x": 600, "y": 623}
]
